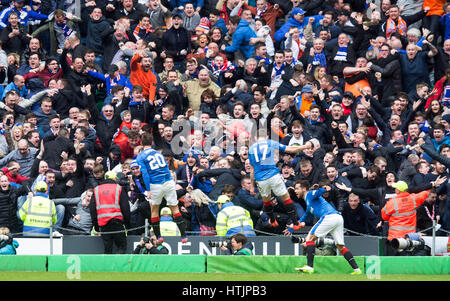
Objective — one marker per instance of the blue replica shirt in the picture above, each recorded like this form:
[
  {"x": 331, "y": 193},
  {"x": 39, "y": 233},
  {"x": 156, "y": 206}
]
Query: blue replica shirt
[
  {"x": 316, "y": 205},
  {"x": 154, "y": 167},
  {"x": 262, "y": 158}
]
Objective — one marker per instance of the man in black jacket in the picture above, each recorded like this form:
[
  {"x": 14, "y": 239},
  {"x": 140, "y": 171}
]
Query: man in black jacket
[
  {"x": 358, "y": 218},
  {"x": 8, "y": 204},
  {"x": 107, "y": 121},
  {"x": 176, "y": 43},
  {"x": 224, "y": 175},
  {"x": 76, "y": 75},
  {"x": 65, "y": 98}
]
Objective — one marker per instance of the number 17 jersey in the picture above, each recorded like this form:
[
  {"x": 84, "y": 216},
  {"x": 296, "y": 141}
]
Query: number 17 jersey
[
  {"x": 262, "y": 157},
  {"x": 154, "y": 167}
]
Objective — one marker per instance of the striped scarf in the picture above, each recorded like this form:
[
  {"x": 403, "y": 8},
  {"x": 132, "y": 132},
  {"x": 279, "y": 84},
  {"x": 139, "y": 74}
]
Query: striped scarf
[
  {"x": 137, "y": 31},
  {"x": 319, "y": 59},
  {"x": 66, "y": 29},
  {"x": 278, "y": 70},
  {"x": 217, "y": 69},
  {"x": 260, "y": 13},
  {"x": 391, "y": 27},
  {"x": 341, "y": 54}
]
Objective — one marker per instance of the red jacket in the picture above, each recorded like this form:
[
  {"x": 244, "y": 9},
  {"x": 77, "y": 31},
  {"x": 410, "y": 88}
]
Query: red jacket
[
  {"x": 439, "y": 86},
  {"x": 17, "y": 179}
]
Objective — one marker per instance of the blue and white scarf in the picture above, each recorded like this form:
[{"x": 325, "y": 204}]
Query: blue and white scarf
[
  {"x": 341, "y": 54},
  {"x": 319, "y": 59},
  {"x": 66, "y": 29}
]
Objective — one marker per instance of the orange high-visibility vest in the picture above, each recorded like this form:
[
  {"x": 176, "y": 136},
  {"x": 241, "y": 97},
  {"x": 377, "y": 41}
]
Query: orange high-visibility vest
[
  {"x": 400, "y": 211},
  {"x": 107, "y": 198}
]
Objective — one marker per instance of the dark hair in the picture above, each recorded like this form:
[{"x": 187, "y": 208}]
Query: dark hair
[
  {"x": 303, "y": 183},
  {"x": 137, "y": 88},
  {"x": 228, "y": 188},
  {"x": 84, "y": 130},
  {"x": 133, "y": 134},
  {"x": 234, "y": 20},
  {"x": 240, "y": 238},
  {"x": 260, "y": 89},
  {"x": 116, "y": 89},
  {"x": 214, "y": 11},
  {"x": 147, "y": 139}
]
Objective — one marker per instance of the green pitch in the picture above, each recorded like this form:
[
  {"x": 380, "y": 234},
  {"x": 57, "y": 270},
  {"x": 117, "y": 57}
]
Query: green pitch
[{"x": 123, "y": 276}]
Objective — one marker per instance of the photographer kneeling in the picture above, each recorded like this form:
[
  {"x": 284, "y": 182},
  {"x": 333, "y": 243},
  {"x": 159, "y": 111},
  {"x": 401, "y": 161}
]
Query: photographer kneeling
[
  {"x": 149, "y": 245},
  {"x": 8, "y": 245},
  {"x": 239, "y": 245}
]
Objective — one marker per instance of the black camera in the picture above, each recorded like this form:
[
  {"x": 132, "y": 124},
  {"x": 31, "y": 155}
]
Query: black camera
[
  {"x": 297, "y": 239},
  {"x": 5, "y": 239},
  {"x": 146, "y": 239},
  {"x": 218, "y": 244}
]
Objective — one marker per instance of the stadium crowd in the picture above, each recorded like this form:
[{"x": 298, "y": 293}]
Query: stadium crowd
[{"x": 369, "y": 80}]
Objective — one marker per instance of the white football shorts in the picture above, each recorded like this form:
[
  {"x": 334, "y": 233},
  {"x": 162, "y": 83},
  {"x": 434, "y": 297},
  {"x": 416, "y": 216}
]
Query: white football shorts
[
  {"x": 165, "y": 190},
  {"x": 332, "y": 224},
  {"x": 275, "y": 184}
]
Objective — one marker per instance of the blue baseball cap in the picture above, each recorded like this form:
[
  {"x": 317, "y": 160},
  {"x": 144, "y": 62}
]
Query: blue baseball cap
[
  {"x": 297, "y": 11},
  {"x": 134, "y": 164},
  {"x": 307, "y": 89}
]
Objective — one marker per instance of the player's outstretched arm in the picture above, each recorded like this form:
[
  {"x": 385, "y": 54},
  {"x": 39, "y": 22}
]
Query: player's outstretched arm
[{"x": 299, "y": 148}]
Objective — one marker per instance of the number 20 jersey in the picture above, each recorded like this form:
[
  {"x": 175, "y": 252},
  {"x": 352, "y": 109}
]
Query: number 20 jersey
[
  {"x": 262, "y": 157},
  {"x": 154, "y": 167}
]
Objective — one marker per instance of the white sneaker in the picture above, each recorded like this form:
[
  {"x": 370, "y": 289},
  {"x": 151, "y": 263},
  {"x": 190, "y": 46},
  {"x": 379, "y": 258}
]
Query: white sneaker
[
  {"x": 305, "y": 269},
  {"x": 57, "y": 234}
]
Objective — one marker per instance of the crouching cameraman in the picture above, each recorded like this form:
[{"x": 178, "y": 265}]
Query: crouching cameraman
[
  {"x": 239, "y": 245},
  {"x": 8, "y": 245},
  {"x": 150, "y": 245}
]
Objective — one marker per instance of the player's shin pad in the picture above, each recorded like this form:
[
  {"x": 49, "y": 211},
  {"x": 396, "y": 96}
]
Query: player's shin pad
[
  {"x": 292, "y": 213},
  {"x": 156, "y": 227},
  {"x": 310, "y": 252},
  {"x": 268, "y": 209},
  {"x": 349, "y": 256},
  {"x": 181, "y": 225}
]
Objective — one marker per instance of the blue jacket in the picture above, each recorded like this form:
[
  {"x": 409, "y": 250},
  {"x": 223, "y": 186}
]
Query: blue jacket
[
  {"x": 241, "y": 39},
  {"x": 12, "y": 86},
  {"x": 248, "y": 201},
  {"x": 24, "y": 15},
  {"x": 445, "y": 24},
  {"x": 9, "y": 249},
  {"x": 317, "y": 205},
  {"x": 111, "y": 82},
  {"x": 280, "y": 33},
  {"x": 221, "y": 24}
]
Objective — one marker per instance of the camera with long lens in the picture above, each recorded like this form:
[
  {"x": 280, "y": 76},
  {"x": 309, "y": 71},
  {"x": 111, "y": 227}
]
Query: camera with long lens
[
  {"x": 323, "y": 241},
  {"x": 297, "y": 239},
  {"x": 219, "y": 244},
  {"x": 411, "y": 242},
  {"x": 320, "y": 242}
]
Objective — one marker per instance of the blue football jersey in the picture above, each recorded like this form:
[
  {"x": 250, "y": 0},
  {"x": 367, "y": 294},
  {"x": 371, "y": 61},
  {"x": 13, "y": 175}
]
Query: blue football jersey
[
  {"x": 154, "y": 167},
  {"x": 262, "y": 157},
  {"x": 316, "y": 205}
]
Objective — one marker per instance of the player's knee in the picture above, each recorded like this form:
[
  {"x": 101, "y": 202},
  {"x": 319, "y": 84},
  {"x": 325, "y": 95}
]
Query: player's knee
[{"x": 340, "y": 247}]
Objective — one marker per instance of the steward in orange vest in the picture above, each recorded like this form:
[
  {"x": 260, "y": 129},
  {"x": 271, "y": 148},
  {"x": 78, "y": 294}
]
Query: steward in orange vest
[
  {"x": 400, "y": 211},
  {"x": 110, "y": 212}
]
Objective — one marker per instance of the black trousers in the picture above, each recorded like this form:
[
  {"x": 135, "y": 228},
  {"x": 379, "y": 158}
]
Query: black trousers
[{"x": 118, "y": 238}]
